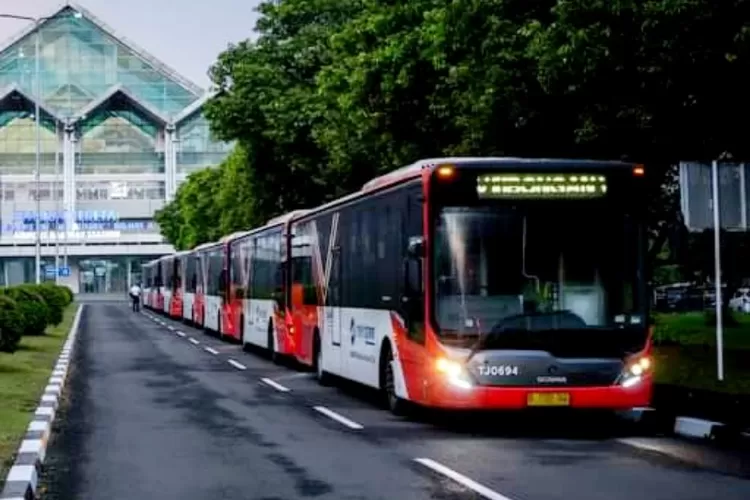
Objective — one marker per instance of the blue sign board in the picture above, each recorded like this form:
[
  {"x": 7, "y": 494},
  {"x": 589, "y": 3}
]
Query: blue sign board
[
  {"x": 86, "y": 220},
  {"x": 49, "y": 272}
]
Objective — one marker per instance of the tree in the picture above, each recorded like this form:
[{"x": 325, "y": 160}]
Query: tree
[
  {"x": 192, "y": 217},
  {"x": 655, "y": 81},
  {"x": 236, "y": 197},
  {"x": 267, "y": 100}
]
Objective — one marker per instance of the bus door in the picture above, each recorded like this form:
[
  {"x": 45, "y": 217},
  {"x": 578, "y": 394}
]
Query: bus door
[{"x": 333, "y": 309}]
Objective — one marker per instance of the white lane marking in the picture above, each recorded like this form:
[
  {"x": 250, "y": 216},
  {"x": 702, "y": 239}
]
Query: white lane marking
[
  {"x": 212, "y": 351},
  {"x": 295, "y": 376},
  {"x": 237, "y": 365},
  {"x": 461, "y": 479},
  {"x": 275, "y": 385},
  {"x": 338, "y": 418},
  {"x": 171, "y": 327},
  {"x": 181, "y": 334},
  {"x": 194, "y": 342}
]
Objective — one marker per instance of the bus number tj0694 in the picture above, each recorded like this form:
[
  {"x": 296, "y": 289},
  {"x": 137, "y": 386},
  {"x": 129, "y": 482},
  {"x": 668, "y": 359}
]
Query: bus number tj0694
[{"x": 499, "y": 370}]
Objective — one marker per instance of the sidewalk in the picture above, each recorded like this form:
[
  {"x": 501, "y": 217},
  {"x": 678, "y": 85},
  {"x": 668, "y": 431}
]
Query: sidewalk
[{"x": 721, "y": 418}]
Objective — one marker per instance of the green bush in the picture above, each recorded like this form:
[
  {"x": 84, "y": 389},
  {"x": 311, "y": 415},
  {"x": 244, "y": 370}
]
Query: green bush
[
  {"x": 56, "y": 300},
  {"x": 33, "y": 308},
  {"x": 68, "y": 294},
  {"x": 11, "y": 324}
]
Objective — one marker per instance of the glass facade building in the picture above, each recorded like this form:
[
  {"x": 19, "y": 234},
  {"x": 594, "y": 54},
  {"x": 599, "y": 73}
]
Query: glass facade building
[{"x": 119, "y": 132}]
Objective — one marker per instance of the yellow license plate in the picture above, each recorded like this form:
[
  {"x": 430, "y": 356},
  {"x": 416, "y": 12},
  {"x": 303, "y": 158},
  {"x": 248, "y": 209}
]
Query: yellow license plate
[{"x": 548, "y": 399}]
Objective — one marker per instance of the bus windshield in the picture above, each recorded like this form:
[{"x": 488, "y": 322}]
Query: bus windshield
[{"x": 536, "y": 266}]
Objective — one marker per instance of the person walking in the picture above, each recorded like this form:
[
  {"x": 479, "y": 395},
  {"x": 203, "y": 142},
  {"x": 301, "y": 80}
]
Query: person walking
[{"x": 135, "y": 296}]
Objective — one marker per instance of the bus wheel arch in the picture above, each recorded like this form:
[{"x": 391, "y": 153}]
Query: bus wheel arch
[
  {"x": 323, "y": 377},
  {"x": 273, "y": 355},
  {"x": 395, "y": 404}
]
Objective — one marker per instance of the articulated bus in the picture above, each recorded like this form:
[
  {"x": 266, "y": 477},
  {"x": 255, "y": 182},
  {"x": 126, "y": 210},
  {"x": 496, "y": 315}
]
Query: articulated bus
[
  {"x": 258, "y": 287},
  {"x": 480, "y": 283}
]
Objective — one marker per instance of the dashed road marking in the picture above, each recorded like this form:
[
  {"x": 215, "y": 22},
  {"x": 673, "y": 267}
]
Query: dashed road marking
[
  {"x": 338, "y": 418},
  {"x": 461, "y": 479},
  {"x": 171, "y": 327},
  {"x": 275, "y": 385},
  {"x": 237, "y": 365},
  {"x": 212, "y": 351},
  {"x": 295, "y": 376},
  {"x": 181, "y": 334},
  {"x": 194, "y": 342}
]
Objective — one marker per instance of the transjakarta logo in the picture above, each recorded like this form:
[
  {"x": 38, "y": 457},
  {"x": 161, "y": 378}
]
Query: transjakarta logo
[{"x": 367, "y": 333}]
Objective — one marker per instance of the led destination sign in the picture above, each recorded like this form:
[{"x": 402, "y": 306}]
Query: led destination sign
[{"x": 541, "y": 186}]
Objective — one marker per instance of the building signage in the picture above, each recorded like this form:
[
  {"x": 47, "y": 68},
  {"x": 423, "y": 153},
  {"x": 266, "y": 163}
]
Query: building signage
[{"x": 84, "y": 220}]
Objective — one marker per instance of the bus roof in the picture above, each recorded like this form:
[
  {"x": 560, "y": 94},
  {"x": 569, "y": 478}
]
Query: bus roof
[
  {"x": 286, "y": 217},
  {"x": 415, "y": 169},
  {"x": 204, "y": 246},
  {"x": 233, "y": 236}
]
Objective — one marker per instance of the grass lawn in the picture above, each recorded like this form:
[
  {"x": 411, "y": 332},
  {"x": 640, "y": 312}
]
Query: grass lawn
[
  {"x": 23, "y": 377},
  {"x": 686, "y": 352}
]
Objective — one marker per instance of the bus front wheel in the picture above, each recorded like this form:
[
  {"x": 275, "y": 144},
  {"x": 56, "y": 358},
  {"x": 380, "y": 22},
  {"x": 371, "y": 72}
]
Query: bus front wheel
[{"x": 395, "y": 404}]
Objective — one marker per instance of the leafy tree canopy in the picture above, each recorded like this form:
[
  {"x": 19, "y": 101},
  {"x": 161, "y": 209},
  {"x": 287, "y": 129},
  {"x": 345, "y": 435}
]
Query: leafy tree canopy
[{"x": 333, "y": 92}]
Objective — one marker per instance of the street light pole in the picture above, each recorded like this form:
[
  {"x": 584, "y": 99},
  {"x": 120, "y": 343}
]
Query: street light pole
[
  {"x": 38, "y": 121},
  {"x": 37, "y": 174}
]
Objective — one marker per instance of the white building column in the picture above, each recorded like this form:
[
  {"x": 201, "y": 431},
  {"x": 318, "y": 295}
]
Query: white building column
[
  {"x": 170, "y": 170},
  {"x": 70, "y": 142}
]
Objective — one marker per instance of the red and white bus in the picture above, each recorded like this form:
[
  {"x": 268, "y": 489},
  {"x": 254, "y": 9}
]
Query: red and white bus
[
  {"x": 151, "y": 296},
  {"x": 193, "y": 282},
  {"x": 258, "y": 286},
  {"x": 173, "y": 269},
  {"x": 480, "y": 283},
  {"x": 217, "y": 312}
]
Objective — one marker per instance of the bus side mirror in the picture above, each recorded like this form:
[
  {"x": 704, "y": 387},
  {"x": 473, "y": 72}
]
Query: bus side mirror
[{"x": 415, "y": 248}]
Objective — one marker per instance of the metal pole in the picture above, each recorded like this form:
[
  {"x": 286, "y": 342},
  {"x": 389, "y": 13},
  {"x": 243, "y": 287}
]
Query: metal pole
[
  {"x": 57, "y": 203},
  {"x": 717, "y": 273},
  {"x": 66, "y": 158},
  {"x": 37, "y": 176}
]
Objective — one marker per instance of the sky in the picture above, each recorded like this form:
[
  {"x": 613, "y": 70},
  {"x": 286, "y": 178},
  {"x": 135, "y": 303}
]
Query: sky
[{"x": 187, "y": 36}]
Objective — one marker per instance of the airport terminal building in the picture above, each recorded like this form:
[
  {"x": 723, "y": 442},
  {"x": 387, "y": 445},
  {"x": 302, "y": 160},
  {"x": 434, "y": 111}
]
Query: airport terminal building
[{"x": 119, "y": 132}]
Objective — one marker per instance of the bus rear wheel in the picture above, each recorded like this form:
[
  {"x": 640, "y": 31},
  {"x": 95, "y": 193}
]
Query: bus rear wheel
[
  {"x": 272, "y": 354},
  {"x": 321, "y": 375}
]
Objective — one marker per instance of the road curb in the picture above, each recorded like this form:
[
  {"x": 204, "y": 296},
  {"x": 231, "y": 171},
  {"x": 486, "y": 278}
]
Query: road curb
[
  {"x": 23, "y": 477},
  {"x": 689, "y": 427}
]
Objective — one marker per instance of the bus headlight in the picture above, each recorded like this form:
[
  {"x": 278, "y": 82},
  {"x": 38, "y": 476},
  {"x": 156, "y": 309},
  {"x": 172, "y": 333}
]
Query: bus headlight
[
  {"x": 454, "y": 372},
  {"x": 634, "y": 371}
]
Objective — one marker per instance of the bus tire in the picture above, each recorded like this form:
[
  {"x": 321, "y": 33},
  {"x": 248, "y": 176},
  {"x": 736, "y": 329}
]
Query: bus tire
[
  {"x": 272, "y": 354},
  {"x": 395, "y": 404},
  {"x": 323, "y": 377},
  {"x": 242, "y": 332}
]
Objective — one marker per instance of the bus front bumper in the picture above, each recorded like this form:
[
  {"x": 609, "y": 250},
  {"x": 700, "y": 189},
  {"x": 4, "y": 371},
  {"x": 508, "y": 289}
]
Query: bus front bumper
[{"x": 444, "y": 395}]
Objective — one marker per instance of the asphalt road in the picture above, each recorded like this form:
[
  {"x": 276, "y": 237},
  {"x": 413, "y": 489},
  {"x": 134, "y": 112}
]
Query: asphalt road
[{"x": 156, "y": 409}]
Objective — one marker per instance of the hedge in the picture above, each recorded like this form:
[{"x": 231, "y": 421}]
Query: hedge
[{"x": 29, "y": 309}]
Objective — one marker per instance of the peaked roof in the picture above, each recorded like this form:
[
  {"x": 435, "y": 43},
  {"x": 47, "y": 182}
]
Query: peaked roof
[
  {"x": 113, "y": 91},
  {"x": 8, "y": 91},
  {"x": 141, "y": 53},
  {"x": 192, "y": 108}
]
